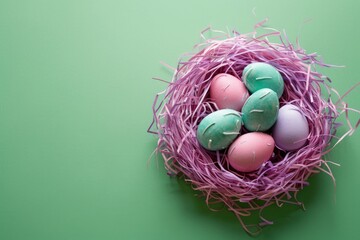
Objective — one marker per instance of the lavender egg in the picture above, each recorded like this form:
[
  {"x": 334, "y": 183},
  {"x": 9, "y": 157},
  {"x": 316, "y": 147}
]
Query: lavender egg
[{"x": 291, "y": 129}]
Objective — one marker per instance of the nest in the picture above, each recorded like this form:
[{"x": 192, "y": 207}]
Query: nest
[{"x": 186, "y": 102}]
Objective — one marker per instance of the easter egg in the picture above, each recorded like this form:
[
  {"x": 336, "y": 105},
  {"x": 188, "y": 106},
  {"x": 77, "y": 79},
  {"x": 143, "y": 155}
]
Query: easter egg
[
  {"x": 260, "y": 110},
  {"x": 260, "y": 75},
  {"x": 219, "y": 129},
  {"x": 228, "y": 91},
  {"x": 248, "y": 152},
  {"x": 291, "y": 129}
]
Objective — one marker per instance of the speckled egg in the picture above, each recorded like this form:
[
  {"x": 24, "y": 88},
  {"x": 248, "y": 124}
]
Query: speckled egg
[
  {"x": 228, "y": 91},
  {"x": 260, "y": 75},
  {"x": 291, "y": 129},
  {"x": 248, "y": 152},
  {"x": 219, "y": 129},
  {"x": 260, "y": 110}
]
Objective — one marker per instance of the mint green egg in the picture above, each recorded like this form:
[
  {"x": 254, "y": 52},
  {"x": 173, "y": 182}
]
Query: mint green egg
[
  {"x": 219, "y": 129},
  {"x": 260, "y": 111},
  {"x": 262, "y": 75}
]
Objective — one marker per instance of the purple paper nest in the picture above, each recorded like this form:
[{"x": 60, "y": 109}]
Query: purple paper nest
[{"x": 186, "y": 102}]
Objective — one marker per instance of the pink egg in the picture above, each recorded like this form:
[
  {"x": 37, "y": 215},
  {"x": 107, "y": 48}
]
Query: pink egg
[
  {"x": 228, "y": 91},
  {"x": 248, "y": 152}
]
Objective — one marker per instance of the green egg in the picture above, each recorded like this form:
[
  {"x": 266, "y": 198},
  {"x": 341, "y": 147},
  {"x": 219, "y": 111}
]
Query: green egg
[
  {"x": 219, "y": 129},
  {"x": 260, "y": 110},
  {"x": 262, "y": 75}
]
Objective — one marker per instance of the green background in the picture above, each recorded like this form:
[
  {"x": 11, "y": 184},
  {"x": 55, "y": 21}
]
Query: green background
[{"x": 75, "y": 103}]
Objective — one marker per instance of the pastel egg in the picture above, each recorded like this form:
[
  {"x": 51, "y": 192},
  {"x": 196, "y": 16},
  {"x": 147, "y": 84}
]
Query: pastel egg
[
  {"x": 260, "y": 75},
  {"x": 219, "y": 129},
  {"x": 260, "y": 110},
  {"x": 228, "y": 91},
  {"x": 291, "y": 129},
  {"x": 248, "y": 152}
]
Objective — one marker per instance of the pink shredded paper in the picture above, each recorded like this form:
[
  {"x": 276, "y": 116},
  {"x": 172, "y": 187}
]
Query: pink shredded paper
[{"x": 186, "y": 102}]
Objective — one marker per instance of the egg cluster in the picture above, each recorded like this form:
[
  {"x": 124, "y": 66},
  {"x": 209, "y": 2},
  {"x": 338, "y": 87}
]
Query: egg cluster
[{"x": 252, "y": 103}]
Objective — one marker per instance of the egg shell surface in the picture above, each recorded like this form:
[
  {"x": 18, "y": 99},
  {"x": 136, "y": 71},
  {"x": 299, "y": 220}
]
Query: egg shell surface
[
  {"x": 291, "y": 129},
  {"x": 248, "y": 152},
  {"x": 219, "y": 129},
  {"x": 228, "y": 91},
  {"x": 260, "y": 75},
  {"x": 260, "y": 110}
]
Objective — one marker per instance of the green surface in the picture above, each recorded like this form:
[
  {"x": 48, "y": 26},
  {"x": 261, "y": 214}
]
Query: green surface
[{"x": 75, "y": 102}]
